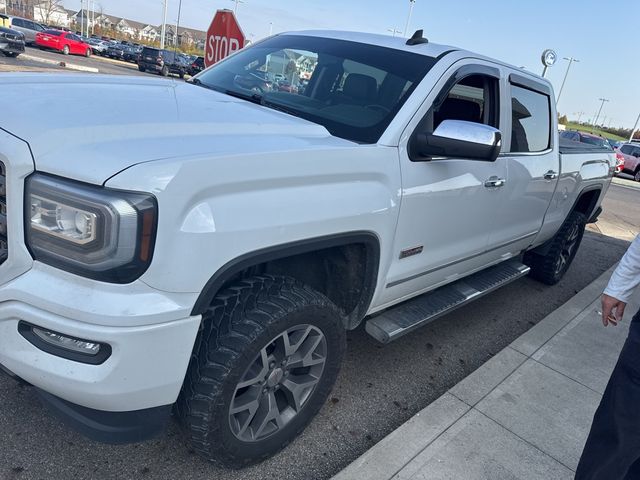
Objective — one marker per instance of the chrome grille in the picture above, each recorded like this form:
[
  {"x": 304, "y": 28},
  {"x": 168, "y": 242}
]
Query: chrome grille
[{"x": 4, "y": 244}]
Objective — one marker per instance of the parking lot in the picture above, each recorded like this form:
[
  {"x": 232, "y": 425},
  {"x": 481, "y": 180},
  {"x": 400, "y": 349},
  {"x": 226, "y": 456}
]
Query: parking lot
[{"x": 35, "y": 59}]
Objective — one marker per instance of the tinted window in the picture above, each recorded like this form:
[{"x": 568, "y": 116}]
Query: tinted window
[
  {"x": 531, "y": 120},
  {"x": 53, "y": 33},
  {"x": 472, "y": 100},
  {"x": 600, "y": 142},
  {"x": 626, "y": 149},
  {"x": 17, "y": 22},
  {"x": 354, "y": 91},
  {"x": 38, "y": 27},
  {"x": 150, "y": 52}
]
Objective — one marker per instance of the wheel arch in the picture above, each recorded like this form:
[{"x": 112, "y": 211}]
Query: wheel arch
[
  {"x": 351, "y": 258},
  {"x": 585, "y": 203}
]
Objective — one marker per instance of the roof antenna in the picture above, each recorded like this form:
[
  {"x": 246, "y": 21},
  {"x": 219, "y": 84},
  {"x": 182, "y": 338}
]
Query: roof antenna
[{"x": 417, "y": 38}]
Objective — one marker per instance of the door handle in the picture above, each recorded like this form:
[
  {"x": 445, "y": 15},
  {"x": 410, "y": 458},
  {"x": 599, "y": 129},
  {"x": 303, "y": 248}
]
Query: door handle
[
  {"x": 551, "y": 175},
  {"x": 494, "y": 182}
]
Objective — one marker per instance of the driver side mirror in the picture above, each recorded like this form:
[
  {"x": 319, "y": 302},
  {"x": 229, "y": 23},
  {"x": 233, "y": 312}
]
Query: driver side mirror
[{"x": 460, "y": 139}]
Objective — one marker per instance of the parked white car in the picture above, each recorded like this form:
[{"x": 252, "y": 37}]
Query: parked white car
[{"x": 203, "y": 245}]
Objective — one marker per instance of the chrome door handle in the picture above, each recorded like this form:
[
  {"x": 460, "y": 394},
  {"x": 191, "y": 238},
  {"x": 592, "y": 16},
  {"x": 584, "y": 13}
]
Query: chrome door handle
[
  {"x": 494, "y": 182},
  {"x": 550, "y": 175}
]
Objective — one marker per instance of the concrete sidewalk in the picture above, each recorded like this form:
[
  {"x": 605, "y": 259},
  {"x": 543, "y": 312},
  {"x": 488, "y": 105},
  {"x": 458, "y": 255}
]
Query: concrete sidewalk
[{"x": 525, "y": 414}]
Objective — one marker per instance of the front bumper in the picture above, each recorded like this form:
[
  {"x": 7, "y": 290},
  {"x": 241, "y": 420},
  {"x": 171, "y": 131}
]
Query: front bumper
[
  {"x": 150, "y": 333},
  {"x": 11, "y": 46}
]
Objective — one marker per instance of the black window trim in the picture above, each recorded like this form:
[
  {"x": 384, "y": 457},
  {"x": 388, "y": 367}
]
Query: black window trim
[
  {"x": 524, "y": 82},
  {"x": 456, "y": 77},
  {"x": 539, "y": 91}
]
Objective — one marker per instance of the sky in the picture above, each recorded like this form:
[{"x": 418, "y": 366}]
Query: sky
[{"x": 603, "y": 36}]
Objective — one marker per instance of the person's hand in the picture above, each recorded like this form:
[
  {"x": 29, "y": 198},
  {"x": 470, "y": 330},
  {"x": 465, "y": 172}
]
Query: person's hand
[{"x": 612, "y": 310}]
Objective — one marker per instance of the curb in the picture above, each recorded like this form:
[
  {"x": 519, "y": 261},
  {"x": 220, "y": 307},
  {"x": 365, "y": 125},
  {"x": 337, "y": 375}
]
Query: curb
[
  {"x": 70, "y": 66},
  {"x": 389, "y": 456}
]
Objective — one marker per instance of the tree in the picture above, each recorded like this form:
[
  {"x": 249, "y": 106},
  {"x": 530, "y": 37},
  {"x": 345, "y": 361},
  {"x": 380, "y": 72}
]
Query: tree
[
  {"x": 563, "y": 120},
  {"x": 45, "y": 10}
]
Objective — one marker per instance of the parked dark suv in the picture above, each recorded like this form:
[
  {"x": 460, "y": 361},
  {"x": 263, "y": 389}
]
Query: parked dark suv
[
  {"x": 196, "y": 66},
  {"x": 163, "y": 62}
]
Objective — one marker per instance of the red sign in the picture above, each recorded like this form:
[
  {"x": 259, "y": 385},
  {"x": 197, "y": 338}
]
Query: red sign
[{"x": 223, "y": 37}]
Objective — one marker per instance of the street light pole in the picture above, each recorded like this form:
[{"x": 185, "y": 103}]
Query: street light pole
[
  {"x": 175, "y": 45},
  {"x": 82, "y": 16},
  {"x": 411, "y": 4},
  {"x": 635, "y": 126},
  {"x": 163, "y": 30},
  {"x": 595, "y": 123},
  {"x": 571, "y": 60},
  {"x": 235, "y": 9}
]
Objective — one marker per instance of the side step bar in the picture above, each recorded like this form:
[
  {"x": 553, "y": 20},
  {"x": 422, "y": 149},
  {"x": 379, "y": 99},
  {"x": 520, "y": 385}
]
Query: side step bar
[{"x": 412, "y": 314}]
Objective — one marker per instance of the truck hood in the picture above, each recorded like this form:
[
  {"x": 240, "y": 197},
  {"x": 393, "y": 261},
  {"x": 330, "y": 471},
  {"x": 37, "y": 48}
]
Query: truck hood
[{"x": 90, "y": 127}]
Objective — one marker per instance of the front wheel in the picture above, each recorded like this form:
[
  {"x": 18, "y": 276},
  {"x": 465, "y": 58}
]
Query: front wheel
[
  {"x": 263, "y": 365},
  {"x": 11, "y": 54},
  {"x": 87, "y": 53},
  {"x": 551, "y": 267},
  {"x": 165, "y": 71},
  {"x": 141, "y": 68},
  {"x": 636, "y": 176},
  {"x": 65, "y": 50}
]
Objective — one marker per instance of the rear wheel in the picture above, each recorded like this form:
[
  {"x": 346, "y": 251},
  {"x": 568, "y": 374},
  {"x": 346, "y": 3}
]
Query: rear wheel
[
  {"x": 264, "y": 362},
  {"x": 87, "y": 53},
  {"x": 141, "y": 68},
  {"x": 551, "y": 267},
  {"x": 165, "y": 71},
  {"x": 65, "y": 50},
  {"x": 11, "y": 54},
  {"x": 636, "y": 175}
]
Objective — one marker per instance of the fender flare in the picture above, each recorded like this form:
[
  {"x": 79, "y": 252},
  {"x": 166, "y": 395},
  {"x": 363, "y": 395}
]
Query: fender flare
[{"x": 250, "y": 259}]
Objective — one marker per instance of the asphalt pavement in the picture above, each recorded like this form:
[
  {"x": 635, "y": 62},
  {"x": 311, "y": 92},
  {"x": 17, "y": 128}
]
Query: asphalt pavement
[
  {"x": 535, "y": 400},
  {"x": 29, "y": 61},
  {"x": 379, "y": 387}
]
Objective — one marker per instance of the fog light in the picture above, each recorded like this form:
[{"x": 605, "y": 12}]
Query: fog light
[
  {"x": 68, "y": 343},
  {"x": 65, "y": 346}
]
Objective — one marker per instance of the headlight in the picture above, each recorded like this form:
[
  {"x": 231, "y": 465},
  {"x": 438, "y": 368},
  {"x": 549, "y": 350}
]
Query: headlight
[{"x": 93, "y": 231}]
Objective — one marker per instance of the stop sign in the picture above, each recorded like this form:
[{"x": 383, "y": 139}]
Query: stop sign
[{"x": 223, "y": 37}]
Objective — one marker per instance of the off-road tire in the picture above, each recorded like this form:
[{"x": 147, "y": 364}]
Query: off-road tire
[
  {"x": 240, "y": 322},
  {"x": 550, "y": 268}
]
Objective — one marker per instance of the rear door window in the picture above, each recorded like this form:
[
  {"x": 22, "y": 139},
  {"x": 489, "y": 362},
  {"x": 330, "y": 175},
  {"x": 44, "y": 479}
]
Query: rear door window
[{"x": 530, "y": 120}]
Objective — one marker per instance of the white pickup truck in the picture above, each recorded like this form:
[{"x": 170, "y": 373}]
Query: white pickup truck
[{"x": 206, "y": 245}]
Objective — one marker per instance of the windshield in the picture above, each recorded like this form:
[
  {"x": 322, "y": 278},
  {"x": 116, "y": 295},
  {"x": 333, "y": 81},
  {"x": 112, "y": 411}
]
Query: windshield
[{"x": 352, "y": 89}]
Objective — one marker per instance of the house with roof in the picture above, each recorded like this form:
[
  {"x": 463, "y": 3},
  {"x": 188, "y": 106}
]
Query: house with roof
[{"x": 149, "y": 33}]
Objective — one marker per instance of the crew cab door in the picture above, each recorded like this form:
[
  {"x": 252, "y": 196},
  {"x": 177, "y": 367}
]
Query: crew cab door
[
  {"x": 448, "y": 204},
  {"x": 532, "y": 163}
]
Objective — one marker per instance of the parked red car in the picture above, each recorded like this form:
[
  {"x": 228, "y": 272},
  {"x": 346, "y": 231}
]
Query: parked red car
[{"x": 64, "y": 42}]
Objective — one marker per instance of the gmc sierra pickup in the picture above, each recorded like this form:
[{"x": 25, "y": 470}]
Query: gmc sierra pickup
[{"x": 203, "y": 247}]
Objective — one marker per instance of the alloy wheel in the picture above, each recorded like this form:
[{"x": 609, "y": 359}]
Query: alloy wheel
[
  {"x": 568, "y": 249},
  {"x": 278, "y": 383}
]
